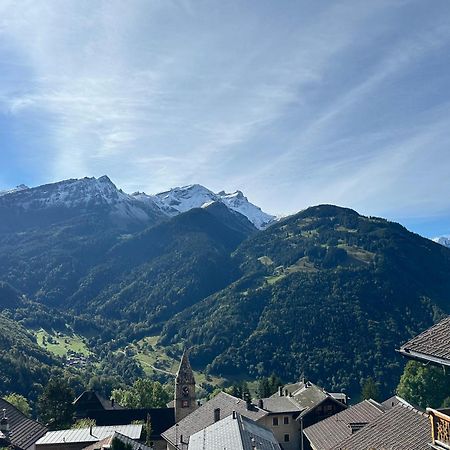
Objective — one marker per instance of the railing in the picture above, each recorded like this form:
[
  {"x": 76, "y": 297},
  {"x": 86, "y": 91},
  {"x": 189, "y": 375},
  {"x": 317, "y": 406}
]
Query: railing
[{"x": 440, "y": 428}]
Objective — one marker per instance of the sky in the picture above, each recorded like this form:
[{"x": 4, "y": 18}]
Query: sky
[{"x": 295, "y": 103}]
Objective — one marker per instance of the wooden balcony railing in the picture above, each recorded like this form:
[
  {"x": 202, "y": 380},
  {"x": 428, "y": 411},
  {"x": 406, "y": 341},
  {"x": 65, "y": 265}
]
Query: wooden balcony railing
[{"x": 440, "y": 428}]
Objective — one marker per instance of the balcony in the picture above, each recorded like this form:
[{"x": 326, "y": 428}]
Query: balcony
[{"x": 440, "y": 428}]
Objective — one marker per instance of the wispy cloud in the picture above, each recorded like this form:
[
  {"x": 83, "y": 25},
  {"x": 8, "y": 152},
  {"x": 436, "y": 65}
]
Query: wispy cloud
[{"x": 294, "y": 104}]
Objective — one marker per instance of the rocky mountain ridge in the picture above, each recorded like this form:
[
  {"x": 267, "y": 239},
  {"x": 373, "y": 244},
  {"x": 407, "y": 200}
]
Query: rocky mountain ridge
[{"x": 89, "y": 193}]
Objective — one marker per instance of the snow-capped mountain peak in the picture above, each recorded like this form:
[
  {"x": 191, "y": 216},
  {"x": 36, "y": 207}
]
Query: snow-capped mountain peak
[
  {"x": 102, "y": 194},
  {"x": 443, "y": 240},
  {"x": 81, "y": 195},
  {"x": 181, "y": 199},
  {"x": 238, "y": 202}
]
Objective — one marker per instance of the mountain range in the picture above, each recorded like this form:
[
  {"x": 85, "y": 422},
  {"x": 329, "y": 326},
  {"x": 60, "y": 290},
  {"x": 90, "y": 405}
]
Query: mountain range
[
  {"x": 326, "y": 292},
  {"x": 88, "y": 194}
]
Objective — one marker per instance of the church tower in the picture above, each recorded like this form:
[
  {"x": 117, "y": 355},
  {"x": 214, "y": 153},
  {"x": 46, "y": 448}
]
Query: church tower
[{"x": 185, "y": 401}]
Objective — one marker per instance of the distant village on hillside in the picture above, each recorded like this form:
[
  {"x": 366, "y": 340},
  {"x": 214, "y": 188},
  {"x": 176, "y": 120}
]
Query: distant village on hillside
[{"x": 299, "y": 416}]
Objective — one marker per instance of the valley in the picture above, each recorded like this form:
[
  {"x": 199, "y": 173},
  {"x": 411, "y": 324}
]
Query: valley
[{"x": 325, "y": 292}]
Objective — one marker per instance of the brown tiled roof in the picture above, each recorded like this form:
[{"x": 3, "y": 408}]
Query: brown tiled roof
[
  {"x": 204, "y": 416},
  {"x": 432, "y": 343},
  {"x": 24, "y": 432},
  {"x": 391, "y": 402},
  {"x": 400, "y": 428},
  {"x": 329, "y": 432}
]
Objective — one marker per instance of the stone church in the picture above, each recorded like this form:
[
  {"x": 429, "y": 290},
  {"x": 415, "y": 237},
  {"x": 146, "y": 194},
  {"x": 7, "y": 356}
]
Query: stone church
[{"x": 185, "y": 402}]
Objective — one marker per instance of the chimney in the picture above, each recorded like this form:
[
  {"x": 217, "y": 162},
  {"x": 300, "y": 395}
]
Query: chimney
[
  {"x": 216, "y": 414},
  {"x": 280, "y": 391},
  {"x": 248, "y": 401},
  {"x": 261, "y": 403},
  {"x": 234, "y": 415},
  {"x": 4, "y": 423}
]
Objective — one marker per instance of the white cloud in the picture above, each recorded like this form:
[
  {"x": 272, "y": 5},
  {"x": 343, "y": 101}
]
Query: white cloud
[{"x": 232, "y": 95}]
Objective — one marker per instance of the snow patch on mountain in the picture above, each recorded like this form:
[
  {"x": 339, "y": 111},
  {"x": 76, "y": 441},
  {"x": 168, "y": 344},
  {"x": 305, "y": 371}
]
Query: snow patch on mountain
[
  {"x": 182, "y": 199},
  {"x": 19, "y": 188},
  {"x": 238, "y": 202},
  {"x": 91, "y": 193},
  {"x": 84, "y": 193},
  {"x": 443, "y": 240}
]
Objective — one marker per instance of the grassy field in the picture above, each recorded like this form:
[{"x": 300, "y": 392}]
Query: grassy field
[
  {"x": 61, "y": 344},
  {"x": 155, "y": 361}
]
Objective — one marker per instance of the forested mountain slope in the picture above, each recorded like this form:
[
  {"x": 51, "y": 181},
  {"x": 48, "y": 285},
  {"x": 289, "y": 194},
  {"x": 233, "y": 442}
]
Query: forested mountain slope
[
  {"x": 327, "y": 293},
  {"x": 148, "y": 277}
]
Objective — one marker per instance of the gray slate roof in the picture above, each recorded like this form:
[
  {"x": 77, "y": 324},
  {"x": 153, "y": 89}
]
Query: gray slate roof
[
  {"x": 433, "y": 343},
  {"x": 281, "y": 405},
  {"x": 93, "y": 398},
  {"x": 234, "y": 433},
  {"x": 329, "y": 432},
  {"x": 400, "y": 428},
  {"x": 105, "y": 443},
  {"x": 89, "y": 435},
  {"x": 24, "y": 432},
  {"x": 308, "y": 396},
  {"x": 204, "y": 416},
  {"x": 288, "y": 389},
  {"x": 300, "y": 397}
]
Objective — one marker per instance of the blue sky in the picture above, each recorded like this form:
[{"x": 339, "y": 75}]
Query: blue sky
[{"x": 294, "y": 102}]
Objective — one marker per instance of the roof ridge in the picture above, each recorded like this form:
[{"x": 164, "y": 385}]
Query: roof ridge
[
  {"x": 295, "y": 403},
  {"x": 405, "y": 404},
  {"x": 374, "y": 403}
]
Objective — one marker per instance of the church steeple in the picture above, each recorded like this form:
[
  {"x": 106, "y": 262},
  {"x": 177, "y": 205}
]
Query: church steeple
[{"x": 185, "y": 401}]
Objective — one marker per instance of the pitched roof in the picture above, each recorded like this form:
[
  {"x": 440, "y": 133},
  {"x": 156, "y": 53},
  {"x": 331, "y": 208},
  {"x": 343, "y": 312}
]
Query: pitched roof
[
  {"x": 280, "y": 405},
  {"x": 288, "y": 389},
  {"x": 308, "y": 396},
  {"x": 88, "y": 435},
  {"x": 234, "y": 432},
  {"x": 204, "y": 416},
  {"x": 300, "y": 397},
  {"x": 185, "y": 375},
  {"x": 161, "y": 418},
  {"x": 95, "y": 401},
  {"x": 329, "y": 432},
  {"x": 431, "y": 345},
  {"x": 401, "y": 428},
  {"x": 24, "y": 432},
  {"x": 106, "y": 443},
  {"x": 391, "y": 402}
]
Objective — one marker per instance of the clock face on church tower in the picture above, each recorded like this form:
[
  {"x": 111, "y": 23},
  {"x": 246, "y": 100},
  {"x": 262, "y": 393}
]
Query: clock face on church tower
[{"x": 185, "y": 391}]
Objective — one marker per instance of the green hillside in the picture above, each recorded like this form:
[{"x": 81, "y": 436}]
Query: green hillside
[
  {"x": 327, "y": 293},
  {"x": 152, "y": 275}
]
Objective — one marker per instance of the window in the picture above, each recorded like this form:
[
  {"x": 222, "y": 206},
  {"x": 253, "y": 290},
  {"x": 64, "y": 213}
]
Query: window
[
  {"x": 286, "y": 438},
  {"x": 286, "y": 420},
  {"x": 275, "y": 421}
]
